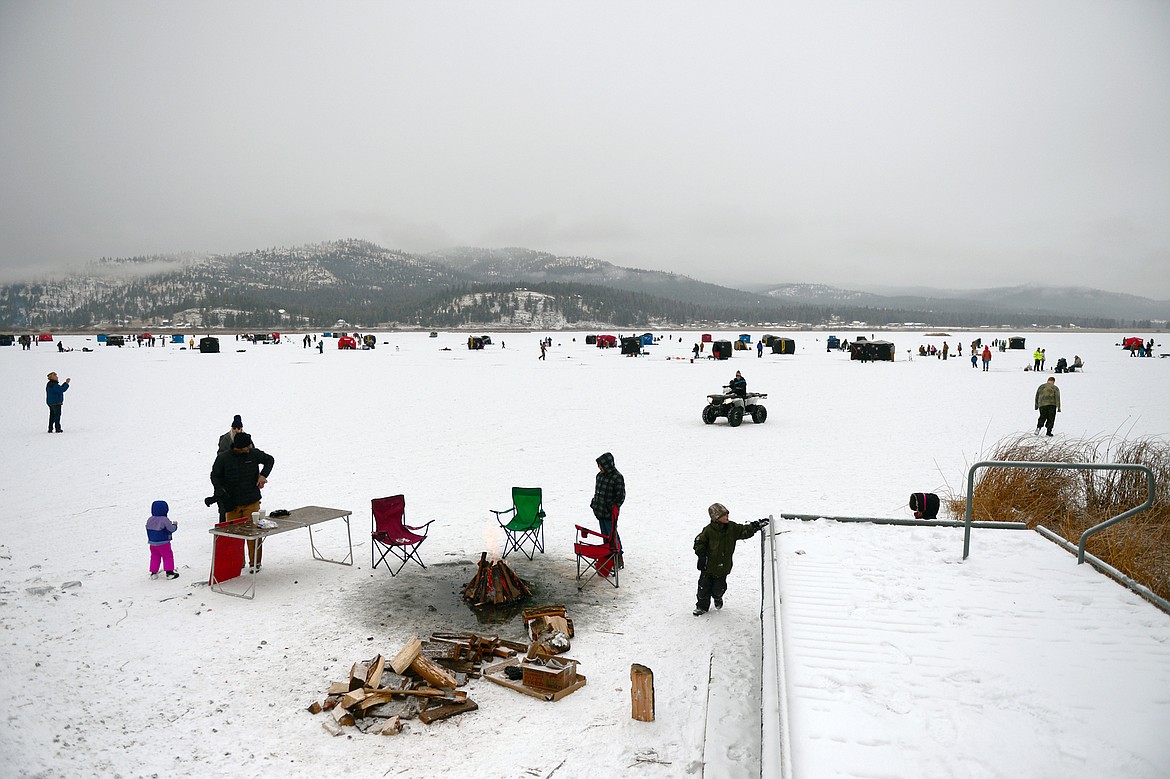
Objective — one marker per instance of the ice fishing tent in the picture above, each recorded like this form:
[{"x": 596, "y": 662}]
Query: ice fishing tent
[
  {"x": 1133, "y": 343},
  {"x": 871, "y": 351},
  {"x": 647, "y": 339},
  {"x": 721, "y": 350},
  {"x": 591, "y": 340},
  {"x": 768, "y": 339},
  {"x": 1016, "y": 342},
  {"x": 741, "y": 346},
  {"x": 369, "y": 341},
  {"x": 474, "y": 342},
  {"x": 745, "y": 338},
  {"x": 487, "y": 340},
  {"x": 783, "y": 346},
  {"x": 833, "y": 342},
  {"x": 177, "y": 338},
  {"x": 45, "y": 337},
  {"x": 606, "y": 341},
  {"x": 207, "y": 344},
  {"x": 705, "y": 338},
  {"x": 347, "y": 342},
  {"x": 7, "y": 340},
  {"x": 117, "y": 340},
  {"x": 632, "y": 345}
]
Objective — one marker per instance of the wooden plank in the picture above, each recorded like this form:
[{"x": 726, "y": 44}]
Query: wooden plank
[
  {"x": 338, "y": 688},
  {"x": 434, "y": 673},
  {"x": 443, "y": 712},
  {"x": 405, "y": 656},
  {"x": 641, "y": 693}
]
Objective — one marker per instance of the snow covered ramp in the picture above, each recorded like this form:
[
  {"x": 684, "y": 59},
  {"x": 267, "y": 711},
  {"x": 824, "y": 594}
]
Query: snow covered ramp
[{"x": 901, "y": 660}]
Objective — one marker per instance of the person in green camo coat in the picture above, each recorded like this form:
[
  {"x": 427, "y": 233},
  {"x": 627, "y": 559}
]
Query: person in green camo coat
[{"x": 715, "y": 546}]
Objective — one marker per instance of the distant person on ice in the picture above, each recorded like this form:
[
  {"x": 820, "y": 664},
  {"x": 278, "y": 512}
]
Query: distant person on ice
[
  {"x": 986, "y": 357},
  {"x": 55, "y": 398},
  {"x": 1047, "y": 403},
  {"x": 159, "y": 529},
  {"x": 609, "y": 493},
  {"x": 715, "y": 546}
]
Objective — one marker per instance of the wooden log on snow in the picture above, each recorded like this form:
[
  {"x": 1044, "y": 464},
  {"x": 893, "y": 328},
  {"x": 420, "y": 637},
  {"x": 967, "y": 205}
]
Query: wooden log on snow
[
  {"x": 401, "y": 661},
  {"x": 443, "y": 712},
  {"x": 352, "y": 698},
  {"x": 357, "y": 676},
  {"x": 641, "y": 693}
]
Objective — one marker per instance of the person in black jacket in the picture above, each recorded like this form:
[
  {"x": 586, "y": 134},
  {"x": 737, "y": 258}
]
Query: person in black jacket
[
  {"x": 609, "y": 493},
  {"x": 238, "y": 475}
]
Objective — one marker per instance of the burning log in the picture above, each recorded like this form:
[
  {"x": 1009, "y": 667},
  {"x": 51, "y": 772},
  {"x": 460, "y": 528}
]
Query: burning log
[{"x": 494, "y": 584}]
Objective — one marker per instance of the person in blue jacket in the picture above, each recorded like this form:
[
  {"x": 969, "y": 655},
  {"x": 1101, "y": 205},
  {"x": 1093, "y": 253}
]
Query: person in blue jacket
[
  {"x": 55, "y": 398},
  {"x": 159, "y": 529}
]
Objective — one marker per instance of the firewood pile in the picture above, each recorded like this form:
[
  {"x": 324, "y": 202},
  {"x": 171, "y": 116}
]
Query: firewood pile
[
  {"x": 421, "y": 682},
  {"x": 494, "y": 584}
]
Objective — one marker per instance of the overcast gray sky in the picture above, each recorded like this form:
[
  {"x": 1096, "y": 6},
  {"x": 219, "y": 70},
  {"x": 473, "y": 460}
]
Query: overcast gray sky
[{"x": 958, "y": 144}]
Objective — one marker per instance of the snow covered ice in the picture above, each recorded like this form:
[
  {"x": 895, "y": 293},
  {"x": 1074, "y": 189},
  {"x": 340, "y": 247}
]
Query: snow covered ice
[{"x": 902, "y": 660}]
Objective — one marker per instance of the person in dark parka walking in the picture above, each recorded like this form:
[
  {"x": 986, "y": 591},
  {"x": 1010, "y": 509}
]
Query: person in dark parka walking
[{"x": 609, "y": 493}]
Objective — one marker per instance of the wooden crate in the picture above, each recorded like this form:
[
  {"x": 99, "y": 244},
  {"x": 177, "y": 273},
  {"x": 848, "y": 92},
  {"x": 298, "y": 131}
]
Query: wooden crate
[{"x": 549, "y": 673}]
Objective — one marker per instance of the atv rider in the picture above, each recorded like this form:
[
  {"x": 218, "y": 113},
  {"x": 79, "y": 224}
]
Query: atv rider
[{"x": 738, "y": 385}]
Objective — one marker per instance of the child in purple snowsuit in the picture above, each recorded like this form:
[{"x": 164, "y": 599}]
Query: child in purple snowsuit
[{"x": 158, "y": 534}]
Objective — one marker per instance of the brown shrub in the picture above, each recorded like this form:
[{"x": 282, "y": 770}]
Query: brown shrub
[{"x": 1069, "y": 502}]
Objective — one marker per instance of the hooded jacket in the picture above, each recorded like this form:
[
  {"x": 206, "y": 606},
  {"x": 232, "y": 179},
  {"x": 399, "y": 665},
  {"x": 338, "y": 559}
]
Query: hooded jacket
[
  {"x": 609, "y": 489},
  {"x": 159, "y": 529},
  {"x": 716, "y": 543},
  {"x": 234, "y": 475}
]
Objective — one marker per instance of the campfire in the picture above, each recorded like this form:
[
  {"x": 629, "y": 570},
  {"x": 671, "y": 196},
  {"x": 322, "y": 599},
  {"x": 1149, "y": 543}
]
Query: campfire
[{"x": 494, "y": 584}]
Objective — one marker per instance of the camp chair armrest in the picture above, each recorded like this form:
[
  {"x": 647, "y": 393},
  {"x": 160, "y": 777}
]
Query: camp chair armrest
[
  {"x": 585, "y": 532},
  {"x": 503, "y": 511},
  {"x": 420, "y": 527}
]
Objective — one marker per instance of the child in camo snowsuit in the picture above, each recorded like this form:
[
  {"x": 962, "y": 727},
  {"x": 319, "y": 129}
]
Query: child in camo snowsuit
[{"x": 715, "y": 546}]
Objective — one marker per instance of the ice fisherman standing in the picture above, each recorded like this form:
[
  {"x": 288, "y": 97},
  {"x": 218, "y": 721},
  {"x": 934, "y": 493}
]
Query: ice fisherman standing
[
  {"x": 1047, "y": 403},
  {"x": 609, "y": 493},
  {"x": 55, "y": 398}
]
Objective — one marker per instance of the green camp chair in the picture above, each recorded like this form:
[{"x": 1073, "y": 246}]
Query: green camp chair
[{"x": 525, "y": 530}]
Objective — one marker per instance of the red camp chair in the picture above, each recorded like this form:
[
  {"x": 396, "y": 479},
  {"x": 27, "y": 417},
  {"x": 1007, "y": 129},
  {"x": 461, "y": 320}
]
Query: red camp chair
[
  {"x": 599, "y": 559},
  {"x": 392, "y": 536}
]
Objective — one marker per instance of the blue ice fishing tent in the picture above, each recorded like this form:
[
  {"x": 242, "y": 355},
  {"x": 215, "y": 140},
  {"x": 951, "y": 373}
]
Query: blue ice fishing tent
[
  {"x": 177, "y": 338},
  {"x": 745, "y": 338},
  {"x": 647, "y": 339},
  {"x": 834, "y": 342},
  {"x": 101, "y": 339}
]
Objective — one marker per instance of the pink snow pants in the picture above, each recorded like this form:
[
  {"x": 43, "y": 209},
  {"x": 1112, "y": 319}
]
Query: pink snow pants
[{"x": 163, "y": 553}]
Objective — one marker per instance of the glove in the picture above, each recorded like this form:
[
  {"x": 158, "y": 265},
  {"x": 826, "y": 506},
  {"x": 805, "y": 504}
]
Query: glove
[
  {"x": 702, "y": 562},
  {"x": 760, "y": 524}
]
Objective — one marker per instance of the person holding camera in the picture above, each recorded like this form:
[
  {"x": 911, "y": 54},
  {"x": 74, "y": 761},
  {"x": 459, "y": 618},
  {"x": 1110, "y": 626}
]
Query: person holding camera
[{"x": 715, "y": 546}]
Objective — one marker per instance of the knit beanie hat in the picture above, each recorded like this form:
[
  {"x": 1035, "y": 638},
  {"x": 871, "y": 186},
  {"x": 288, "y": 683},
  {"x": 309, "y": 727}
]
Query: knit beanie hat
[
  {"x": 159, "y": 508},
  {"x": 237, "y": 423},
  {"x": 241, "y": 440},
  {"x": 717, "y": 510}
]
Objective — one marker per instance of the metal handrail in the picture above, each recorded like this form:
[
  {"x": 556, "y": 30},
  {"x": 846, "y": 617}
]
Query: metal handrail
[{"x": 1061, "y": 467}]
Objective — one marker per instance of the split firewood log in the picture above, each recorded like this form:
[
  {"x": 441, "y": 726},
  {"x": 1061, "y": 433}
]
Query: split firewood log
[
  {"x": 435, "y": 674},
  {"x": 406, "y": 656}
]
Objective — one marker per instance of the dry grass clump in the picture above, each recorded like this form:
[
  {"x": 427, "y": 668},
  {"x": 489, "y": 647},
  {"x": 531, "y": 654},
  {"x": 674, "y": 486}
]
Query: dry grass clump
[{"x": 1069, "y": 502}]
